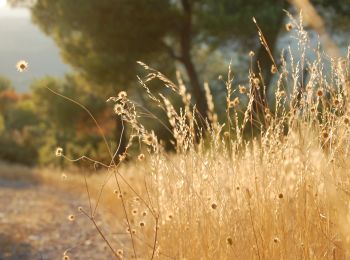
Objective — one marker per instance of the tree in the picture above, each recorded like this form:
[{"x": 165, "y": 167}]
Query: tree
[
  {"x": 5, "y": 84},
  {"x": 65, "y": 124},
  {"x": 103, "y": 39}
]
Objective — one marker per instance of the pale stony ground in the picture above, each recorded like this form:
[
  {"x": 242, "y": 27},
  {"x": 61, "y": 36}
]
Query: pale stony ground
[{"x": 34, "y": 224}]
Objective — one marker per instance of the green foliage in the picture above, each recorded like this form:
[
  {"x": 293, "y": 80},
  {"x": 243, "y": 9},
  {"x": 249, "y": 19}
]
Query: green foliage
[
  {"x": 5, "y": 84},
  {"x": 64, "y": 123},
  {"x": 103, "y": 39},
  {"x": 18, "y": 121}
]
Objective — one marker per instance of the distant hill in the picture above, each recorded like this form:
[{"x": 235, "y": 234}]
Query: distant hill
[{"x": 20, "y": 39}]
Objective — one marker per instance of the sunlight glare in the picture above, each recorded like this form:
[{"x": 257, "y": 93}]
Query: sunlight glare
[{"x": 2, "y": 3}]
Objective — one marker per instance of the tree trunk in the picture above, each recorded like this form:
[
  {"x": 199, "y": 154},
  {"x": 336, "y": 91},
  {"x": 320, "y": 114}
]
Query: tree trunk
[{"x": 186, "y": 59}]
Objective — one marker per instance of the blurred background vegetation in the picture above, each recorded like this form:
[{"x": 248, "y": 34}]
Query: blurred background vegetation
[{"x": 101, "y": 41}]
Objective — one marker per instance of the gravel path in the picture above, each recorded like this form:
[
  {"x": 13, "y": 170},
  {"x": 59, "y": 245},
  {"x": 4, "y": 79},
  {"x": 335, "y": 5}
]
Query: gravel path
[{"x": 34, "y": 224}]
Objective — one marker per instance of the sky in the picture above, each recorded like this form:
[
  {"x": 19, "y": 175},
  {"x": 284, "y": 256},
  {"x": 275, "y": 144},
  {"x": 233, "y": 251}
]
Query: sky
[{"x": 20, "y": 39}]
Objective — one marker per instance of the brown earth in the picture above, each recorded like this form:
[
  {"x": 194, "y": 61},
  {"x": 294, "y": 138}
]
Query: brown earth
[{"x": 34, "y": 223}]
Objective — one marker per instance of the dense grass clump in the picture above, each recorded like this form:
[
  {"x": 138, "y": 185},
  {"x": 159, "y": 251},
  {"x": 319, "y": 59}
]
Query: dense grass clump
[{"x": 270, "y": 182}]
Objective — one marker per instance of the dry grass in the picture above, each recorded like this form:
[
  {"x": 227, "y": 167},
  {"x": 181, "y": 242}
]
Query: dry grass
[{"x": 280, "y": 194}]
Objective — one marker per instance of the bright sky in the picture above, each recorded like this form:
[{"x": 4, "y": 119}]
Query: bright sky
[
  {"x": 20, "y": 39},
  {"x": 6, "y": 11}
]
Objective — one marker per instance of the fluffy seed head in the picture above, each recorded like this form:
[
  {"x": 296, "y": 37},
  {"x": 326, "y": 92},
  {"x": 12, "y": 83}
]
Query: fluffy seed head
[
  {"x": 120, "y": 252},
  {"x": 141, "y": 157},
  {"x": 71, "y": 217},
  {"x": 289, "y": 26},
  {"x": 59, "y": 151},
  {"x": 148, "y": 139},
  {"x": 256, "y": 81},
  {"x": 118, "y": 109},
  {"x": 22, "y": 66},
  {"x": 251, "y": 53},
  {"x": 242, "y": 89},
  {"x": 122, "y": 95},
  {"x": 319, "y": 92},
  {"x": 325, "y": 135}
]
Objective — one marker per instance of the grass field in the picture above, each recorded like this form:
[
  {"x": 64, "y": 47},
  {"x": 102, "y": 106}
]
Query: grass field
[{"x": 271, "y": 182}]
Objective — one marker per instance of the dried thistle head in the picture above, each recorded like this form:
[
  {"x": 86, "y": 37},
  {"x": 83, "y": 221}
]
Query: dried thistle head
[
  {"x": 251, "y": 53},
  {"x": 268, "y": 117},
  {"x": 319, "y": 92},
  {"x": 134, "y": 212},
  {"x": 22, "y": 66},
  {"x": 118, "y": 109},
  {"x": 141, "y": 157},
  {"x": 120, "y": 252},
  {"x": 273, "y": 69},
  {"x": 256, "y": 82},
  {"x": 71, "y": 217},
  {"x": 325, "y": 134},
  {"x": 149, "y": 139},
  {"x": 122, "y": 157},
  {"x": 122, "y": 95},
  {"x": 234, "y": 103},
  {"x": 289, "y": 26},
  {"x": 242, "y": 89},
  {"x": 336, "y": 102},
  {"x": 59, "y": 151}
]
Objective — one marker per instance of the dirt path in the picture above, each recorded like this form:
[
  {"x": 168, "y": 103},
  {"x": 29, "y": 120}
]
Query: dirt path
[{"x": 34, "y": 224}]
